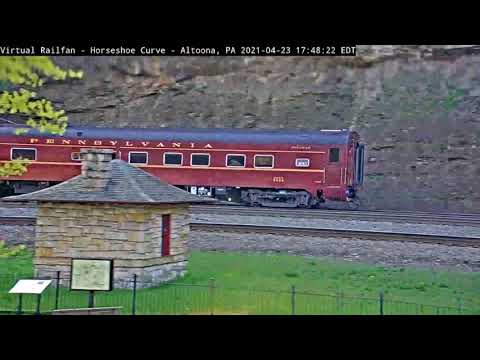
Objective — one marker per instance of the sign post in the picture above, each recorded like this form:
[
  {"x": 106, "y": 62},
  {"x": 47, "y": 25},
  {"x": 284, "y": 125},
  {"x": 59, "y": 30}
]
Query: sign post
[
  {"x": 29, "y": 287},
  {"x": 19, "y": 308},
  {"x": 91, "y": 299},
  {"x": 91, "y": 275},
  {"x": 39, "y": 297}
]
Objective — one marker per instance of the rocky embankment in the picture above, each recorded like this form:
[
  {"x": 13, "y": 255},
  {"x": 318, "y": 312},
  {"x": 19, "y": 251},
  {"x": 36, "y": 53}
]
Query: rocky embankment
[{"x": 416, "y": 107}]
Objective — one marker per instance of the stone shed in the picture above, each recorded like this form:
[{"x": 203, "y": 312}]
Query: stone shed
[{"x": 113, "y": 210}]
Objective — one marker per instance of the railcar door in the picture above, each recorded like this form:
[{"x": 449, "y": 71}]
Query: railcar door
[
  {"x": 334, "y": 173},
  {"x": 359, "y": 164}
]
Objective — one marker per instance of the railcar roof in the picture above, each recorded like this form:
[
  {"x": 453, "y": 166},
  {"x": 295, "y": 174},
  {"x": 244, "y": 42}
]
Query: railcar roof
[{"x": 220, "y": 135}]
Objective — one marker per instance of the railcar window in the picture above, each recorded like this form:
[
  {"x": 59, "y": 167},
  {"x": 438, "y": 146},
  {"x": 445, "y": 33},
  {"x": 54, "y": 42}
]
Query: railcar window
[
  {"x": 236, "y": 160},
  {"x": 263, "y": 161},
  {"x": 76, "y": 156},
  {"x": 138, "y": 157},
  {"x": 27, "y": 154},
  {"x": 172, "y": 159},
  {"x": 302, "y": 162},
  {"x": 334, "y": 155},
  {"x": 200, "y": 160}
]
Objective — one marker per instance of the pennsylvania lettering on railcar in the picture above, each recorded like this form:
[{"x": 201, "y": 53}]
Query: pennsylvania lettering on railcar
[{"x": 190, "y": 145}]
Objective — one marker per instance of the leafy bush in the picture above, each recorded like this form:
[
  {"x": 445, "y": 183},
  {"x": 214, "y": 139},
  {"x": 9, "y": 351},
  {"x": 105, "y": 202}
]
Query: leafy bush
[
  {"x": 18, "y": 76},
  {"x": 11, "y": 251}
]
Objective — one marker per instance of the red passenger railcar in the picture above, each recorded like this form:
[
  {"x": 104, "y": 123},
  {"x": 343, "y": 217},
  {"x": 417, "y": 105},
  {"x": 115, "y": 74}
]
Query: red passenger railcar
[{"x": 291, "y": 168}]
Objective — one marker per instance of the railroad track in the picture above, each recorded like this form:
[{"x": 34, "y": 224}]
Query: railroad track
[
  {"x": 312, "y": 232},
  {"x": 337, "y": 233},
  {"x": 413, "y": 217},
  {"x": 405, "y": 217}
]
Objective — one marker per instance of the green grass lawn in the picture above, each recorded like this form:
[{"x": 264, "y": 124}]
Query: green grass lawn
[{"x": 261, "y": 284}]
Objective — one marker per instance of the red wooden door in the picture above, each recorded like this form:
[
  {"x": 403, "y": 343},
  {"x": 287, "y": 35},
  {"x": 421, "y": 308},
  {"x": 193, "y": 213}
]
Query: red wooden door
[{"x": 166, "y": 229}]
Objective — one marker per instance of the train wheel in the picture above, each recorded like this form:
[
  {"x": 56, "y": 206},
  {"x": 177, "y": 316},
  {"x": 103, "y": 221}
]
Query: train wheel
[{"x": 354, "y": 204}]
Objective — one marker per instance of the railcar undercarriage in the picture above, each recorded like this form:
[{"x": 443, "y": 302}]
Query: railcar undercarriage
[
  {"x": 259, "y": 197},
  {"x": 277, "y": 198},
  {"x": 246, "y": 196}
]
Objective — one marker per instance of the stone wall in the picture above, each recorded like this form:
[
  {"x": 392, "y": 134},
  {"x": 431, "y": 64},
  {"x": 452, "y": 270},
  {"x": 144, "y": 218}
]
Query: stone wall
[
  {"x": 18, "y": 235},
  {"x": 129, "y": 234}
]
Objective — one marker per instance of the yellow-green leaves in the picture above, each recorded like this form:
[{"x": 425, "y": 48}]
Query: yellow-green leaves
[
  {"x": 43, "y": 115},
  {"x": 14, "y": 168},
  {"x": 75, "y": 74},
  {"x": 32, "y": 70},
  {"x": 21, "y": 131},
  {"x": 29, "y": 72},
  {"x": 10, "y": 251}
]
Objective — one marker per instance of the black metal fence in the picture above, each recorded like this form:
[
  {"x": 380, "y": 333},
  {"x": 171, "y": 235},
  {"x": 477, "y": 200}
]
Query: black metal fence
[{"x": 212, "y": 298}]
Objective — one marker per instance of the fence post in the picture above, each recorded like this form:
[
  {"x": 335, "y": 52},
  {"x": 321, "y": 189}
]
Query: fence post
[
  {"x": 459, "y": 305},
  {"x": 341, "y": 302},
  {"x": 19, "y": 308},
  {"x": 134, "y": 299},
  {"x": 212, "y": 295},
  {"x": 293, "y": 299},
  {"x": 57, "y": 290},
  {"x": 39, "y": 296},
  {"x": 91, "y": 298},
  {"x": 174, "y": 300},
  {"x": 381, "y": 300}
]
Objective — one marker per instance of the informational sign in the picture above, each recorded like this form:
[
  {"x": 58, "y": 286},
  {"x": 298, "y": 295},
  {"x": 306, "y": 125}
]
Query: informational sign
[
  {"x": 91, "y": 274},
  {"x": 30, "y": 286}
]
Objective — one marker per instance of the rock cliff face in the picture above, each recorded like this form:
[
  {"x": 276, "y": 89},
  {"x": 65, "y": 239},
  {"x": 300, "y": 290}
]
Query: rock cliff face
[{"x": 416, "y": 107}]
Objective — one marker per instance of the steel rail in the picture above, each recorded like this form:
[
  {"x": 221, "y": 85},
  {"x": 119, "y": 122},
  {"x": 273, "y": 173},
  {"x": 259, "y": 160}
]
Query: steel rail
[{"x": 337, "y": 233}]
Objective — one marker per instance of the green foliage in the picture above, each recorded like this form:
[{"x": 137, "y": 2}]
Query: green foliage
[
  {"x": 14, "y": 168},
  {"x": 30, "y": 72},
  {"x": 11, "y": 251},
  {"x": 241, "y": 281},
  {"x": 453, "y": 99},
  {"x": 429, "y": 99},
  {"x": 50, "y": 120}
]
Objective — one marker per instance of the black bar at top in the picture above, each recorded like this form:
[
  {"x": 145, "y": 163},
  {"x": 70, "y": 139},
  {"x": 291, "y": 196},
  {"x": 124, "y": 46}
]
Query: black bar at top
[{"x": 178, "y": 48}]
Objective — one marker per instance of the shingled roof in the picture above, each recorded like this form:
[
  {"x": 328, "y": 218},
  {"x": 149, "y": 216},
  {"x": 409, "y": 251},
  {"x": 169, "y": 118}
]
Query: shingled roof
[{"x": 125, "y": 184}]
